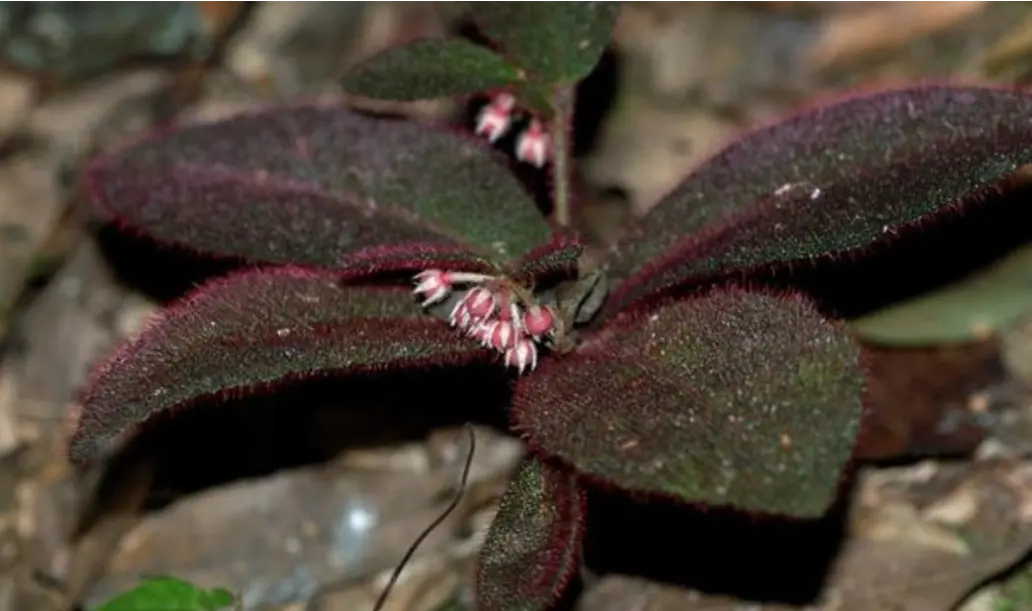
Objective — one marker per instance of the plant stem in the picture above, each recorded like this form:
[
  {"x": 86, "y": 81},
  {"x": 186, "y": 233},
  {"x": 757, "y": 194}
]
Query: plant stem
[{"x": 562, "y": 152}]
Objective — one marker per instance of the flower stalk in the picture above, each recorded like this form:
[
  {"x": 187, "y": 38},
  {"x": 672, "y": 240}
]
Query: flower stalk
[{"x": 562, "y": 153}]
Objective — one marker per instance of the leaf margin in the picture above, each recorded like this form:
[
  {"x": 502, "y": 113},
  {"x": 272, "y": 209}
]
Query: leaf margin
[
  {"x": 83, "y": 446},
  {"x": 597, "y": 346},
  {"x": 355, "y": 81}
]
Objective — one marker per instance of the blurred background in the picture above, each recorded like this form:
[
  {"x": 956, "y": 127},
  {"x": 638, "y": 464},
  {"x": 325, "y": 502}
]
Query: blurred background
[{"x": 296, "y": 503}]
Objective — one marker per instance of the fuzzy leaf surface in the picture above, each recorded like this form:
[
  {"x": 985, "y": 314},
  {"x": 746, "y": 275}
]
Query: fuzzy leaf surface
[
  {"x": 559, "y": 257},
  {"x": 738, "y": 399},
  {"x": 430, "y": 68},
  {"x": 831, "y": 180},
  {"x": 556, "y": 42},
  {"x": 316, "y": 184},
  {"x": 251, "y": 330},
  {"x": 533, "y": 547}
]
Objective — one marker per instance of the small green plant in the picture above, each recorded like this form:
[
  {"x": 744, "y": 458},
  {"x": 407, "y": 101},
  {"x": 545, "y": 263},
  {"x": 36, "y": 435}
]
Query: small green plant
[
  {"x": 169, "y": 594},
  {"x": 697, "y": 378}
]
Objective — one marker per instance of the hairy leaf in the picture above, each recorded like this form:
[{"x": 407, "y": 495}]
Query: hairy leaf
[
  {"x": 556, "y": 42},
  {"x": 242, "y": 333},
  {"x": 559, "y": 257},
  {"x": 735, "y": 398},
  {"x": 965, "y": 311},
  {"x": 831, "y": 180},
  {"x": 534, "y": 545},
  {"x": 431, "y": 68},
  {"x": 535, "y": 97},
  {"x": 312, "y": 184},
  {"x": 169, "y": 593}
]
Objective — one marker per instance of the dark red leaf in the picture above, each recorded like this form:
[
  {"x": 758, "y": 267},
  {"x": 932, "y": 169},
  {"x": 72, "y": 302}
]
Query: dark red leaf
[
  {"x": 735, "y": 398},
  {"x": 559, "y": 257},
  {"x": 313, "y": 184},
  {"x": 241, "y": 334},
  {"x": 830, "y": 180},
  {"x": 534, "y": 546}
]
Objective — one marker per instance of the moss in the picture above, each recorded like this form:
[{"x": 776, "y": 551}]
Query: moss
[{"x": 1016, "y": 591}]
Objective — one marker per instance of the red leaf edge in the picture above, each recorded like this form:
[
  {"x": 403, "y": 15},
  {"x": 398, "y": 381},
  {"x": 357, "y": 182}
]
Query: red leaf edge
[
  {"x": 593, "y": 349},
  {"x": 696, "y": 241},
  {"x": 562, "y": 238},
  {"x": 362, "y": 268},
  {"x": 152, "y": 326},
  {"x": 573, "y": 522}
]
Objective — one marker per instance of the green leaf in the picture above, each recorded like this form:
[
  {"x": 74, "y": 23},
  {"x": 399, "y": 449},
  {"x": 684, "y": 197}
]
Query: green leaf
[
  {"x": 556, "y": 42},
  {"x": 536, "y": 98},
  {"x": 533, "y": 548},
  {"x": 831, "y": 181},
  {"x": 736, "y": 398},
  {"x": 169, "y": 594},
  {"x": 968, "y": 310},
  {"x": 431, "y": 68},
  {"x": 319, "y": 185},
  {"x": 251, "y": 331}
]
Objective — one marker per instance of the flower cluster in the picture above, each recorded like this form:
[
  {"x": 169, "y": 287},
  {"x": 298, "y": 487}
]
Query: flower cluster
[
  {"x": 532, "y": 145},
  {"x": 491, "y": 313}
]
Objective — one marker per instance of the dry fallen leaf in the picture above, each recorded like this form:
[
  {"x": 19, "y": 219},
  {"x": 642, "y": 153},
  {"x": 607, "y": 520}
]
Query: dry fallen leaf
[
  {"x": 883, "y": 26},
  {"x": 920, "y": 399},
  {"x": 886, "y": 575}
]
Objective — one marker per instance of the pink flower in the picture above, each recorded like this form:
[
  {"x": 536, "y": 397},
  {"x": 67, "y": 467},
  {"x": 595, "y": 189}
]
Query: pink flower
[
  {"x": 533, "y": 145},
  {"x": 460, "y": 316},
  {"x": 480, "y": 303},
  {"x": 490, "y": 314},
  {"x": 539, "y": 320},
  {"x": 483, "y": 331},
  {"x": 495, "y": 118},
  {"x": 522, "y": 356},
  {"x": 503, "y": 336},
  {"x": 509, "y": 311},
  {"x": 434, "y": 285}
]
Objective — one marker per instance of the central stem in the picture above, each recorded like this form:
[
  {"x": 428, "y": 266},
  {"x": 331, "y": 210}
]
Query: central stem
[{"x": 562, "y": 152}]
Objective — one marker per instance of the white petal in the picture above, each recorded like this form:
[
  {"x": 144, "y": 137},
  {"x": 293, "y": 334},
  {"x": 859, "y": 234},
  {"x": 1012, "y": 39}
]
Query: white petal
[
  {"x": 429, "y": 285},
  {"x": 453, "y": 318},
  {"x": 504, "y": 335},
  {"x": 523, "y": 355},
  {"x": 517, "y": 317},
  {"x": 436, "y": 296}
]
